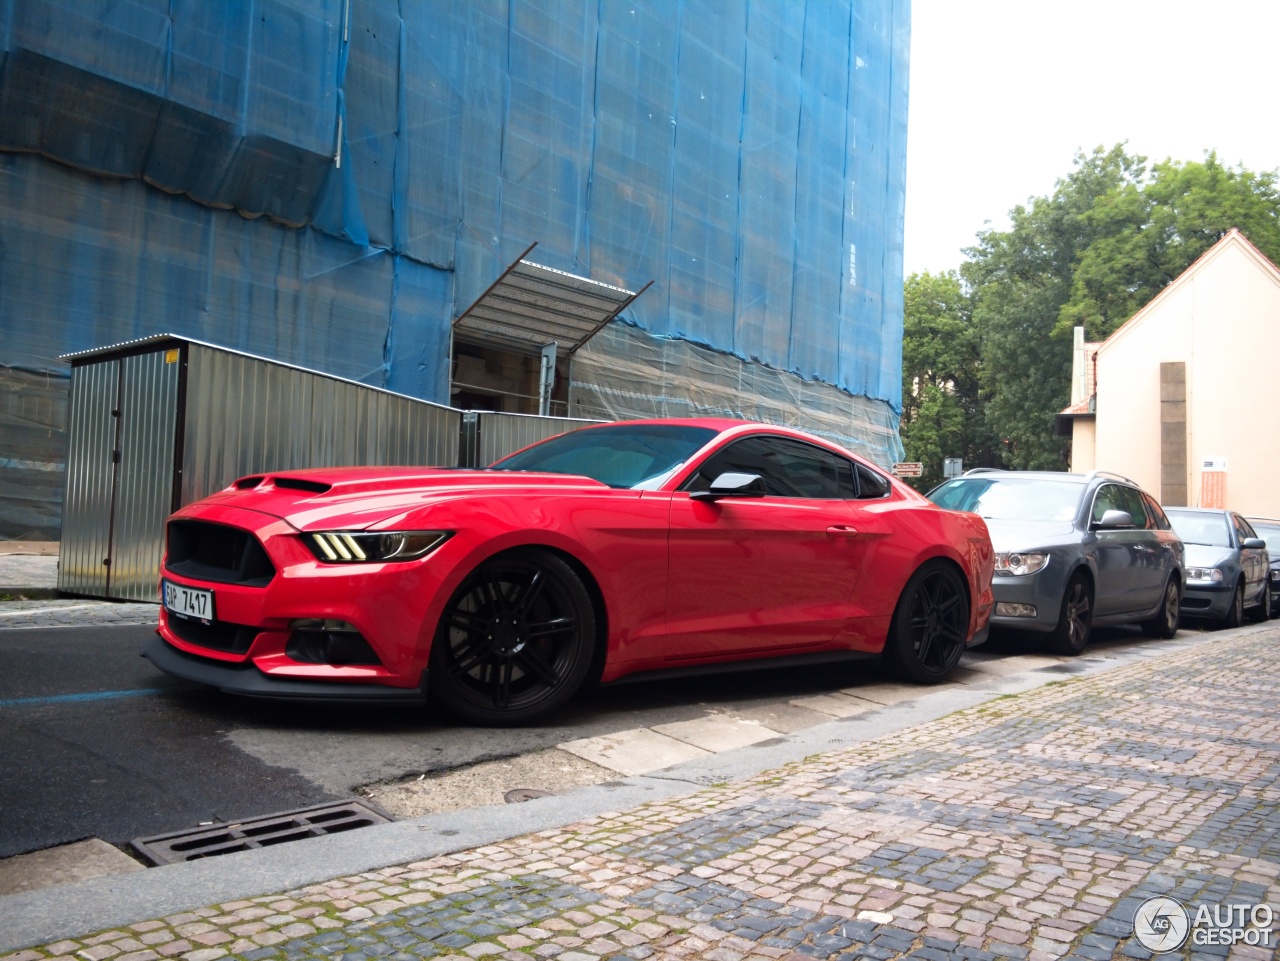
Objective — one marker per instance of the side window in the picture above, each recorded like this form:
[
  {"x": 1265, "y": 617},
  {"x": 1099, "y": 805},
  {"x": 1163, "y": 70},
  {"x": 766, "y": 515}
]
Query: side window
[
  {"x": 1160, "y": 520},
  {"x": 870, "y": 484},
  {"x": 1108, "y": 498},
  {"x": 1243, "y": 528},
  {"x": 790, "y": 468},
  {"x": 1132, "y": 499}
]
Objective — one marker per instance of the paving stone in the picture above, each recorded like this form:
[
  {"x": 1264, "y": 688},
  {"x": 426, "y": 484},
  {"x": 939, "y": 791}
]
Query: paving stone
[{"x": 1025, "y": 828}]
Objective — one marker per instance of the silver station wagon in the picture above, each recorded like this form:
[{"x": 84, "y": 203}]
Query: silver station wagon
[{"x": 1073, "y": 551}]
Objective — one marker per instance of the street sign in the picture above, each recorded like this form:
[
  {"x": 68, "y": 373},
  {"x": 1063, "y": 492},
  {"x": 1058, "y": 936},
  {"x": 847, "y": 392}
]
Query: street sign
[
  {"x": 952, "y": 467},
  {"x": 908, "y": 469}
]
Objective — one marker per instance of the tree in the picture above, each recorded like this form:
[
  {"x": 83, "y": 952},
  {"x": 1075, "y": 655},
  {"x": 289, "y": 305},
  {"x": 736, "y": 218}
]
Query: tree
[
  {"x": 941, "y": 416},
  {"x": 1021, "y": 279},
  {"x": 1182, "y": 211},
  {"x": 1111, "y": 236}
]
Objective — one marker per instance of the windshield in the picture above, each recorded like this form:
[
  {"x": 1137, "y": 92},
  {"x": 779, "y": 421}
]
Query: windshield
[
  {"x": 1011, "y": 498},
  {"x": 1195, "y": 527},
  {"x": 1269, "y": 533},
  {"x": 620, "y": 455}
]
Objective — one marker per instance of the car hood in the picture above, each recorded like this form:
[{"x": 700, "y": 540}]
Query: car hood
[
  {"x": 1202, "y": 555},
  {"x": 1009, "y": 535},
  {"x": 358, "y": 498}
]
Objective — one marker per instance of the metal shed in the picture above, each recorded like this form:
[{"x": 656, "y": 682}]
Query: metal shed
[{"x": 163, "y": 421}]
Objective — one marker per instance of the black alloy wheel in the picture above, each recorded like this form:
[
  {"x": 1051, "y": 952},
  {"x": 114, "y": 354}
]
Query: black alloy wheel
[
  {"x": 1235, "y": 613},
  {"x": 1075, "y": 620},
  {"x": 515, "y": 640},
  {"x": 930, "y": 625},
  {"x": 1165, "y": 624}
]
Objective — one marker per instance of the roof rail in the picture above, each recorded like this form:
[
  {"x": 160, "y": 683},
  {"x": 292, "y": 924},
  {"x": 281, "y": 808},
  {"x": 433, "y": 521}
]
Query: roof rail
[
  {"x": 984, "y": 470},
  {"x": 1113, "y": 475}
]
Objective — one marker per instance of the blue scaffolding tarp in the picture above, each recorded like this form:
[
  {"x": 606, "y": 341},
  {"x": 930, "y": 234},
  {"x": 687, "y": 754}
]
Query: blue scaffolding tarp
[{"x": 331, "y": 182}]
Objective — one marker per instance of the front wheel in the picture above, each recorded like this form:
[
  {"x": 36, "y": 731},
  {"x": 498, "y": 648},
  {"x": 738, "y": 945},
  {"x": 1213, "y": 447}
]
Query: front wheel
[
  {"x": 930, "y": 624},
  {"x": 1165, "y": 624},
  {"x": 1235, "y": 613},
  {"x": 1263, "y": 611},
  {"x": 1075, "y": 619},
  {"x": 514, "y": 642}
]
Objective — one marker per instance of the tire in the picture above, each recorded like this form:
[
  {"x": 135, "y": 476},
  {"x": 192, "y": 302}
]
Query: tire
[
  {"x": 930, "y": 625},
  {"x": 514, "y": 642},
  {"x": 1075, "y": 618},
  {"x": 1165, "y": 624},
  {"x": 1262, "y": 612},
  {"x": 1235, "y": 613}
]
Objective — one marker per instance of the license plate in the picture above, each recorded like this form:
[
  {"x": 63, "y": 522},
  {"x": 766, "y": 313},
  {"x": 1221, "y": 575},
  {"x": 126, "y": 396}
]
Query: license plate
[{"x": 189, "y": 602}]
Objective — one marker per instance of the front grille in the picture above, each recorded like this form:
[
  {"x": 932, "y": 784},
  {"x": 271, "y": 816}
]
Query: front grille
[
  {"x": 214, "y": 552},
  {"x": 220, "y": 635}
]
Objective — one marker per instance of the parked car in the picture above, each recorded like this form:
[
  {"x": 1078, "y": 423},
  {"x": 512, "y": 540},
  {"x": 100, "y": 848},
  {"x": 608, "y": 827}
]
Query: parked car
[
  {"x": 1073, "y": 551},
  {"x": 1228, "y": 567},
  {"x": 1268, "y": 528},
  {"x": 601, "y": 553}
]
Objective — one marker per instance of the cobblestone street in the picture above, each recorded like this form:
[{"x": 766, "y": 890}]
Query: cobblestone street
[{"x": 1029, "y": 827}]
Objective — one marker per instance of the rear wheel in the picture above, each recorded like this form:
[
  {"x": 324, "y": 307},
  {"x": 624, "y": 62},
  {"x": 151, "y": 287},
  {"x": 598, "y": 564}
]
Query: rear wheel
[
  {"x": 1235, "y": 613},
  {"x": 930, "y": 624},
  {"x": 514, "y": 642},
  {"x": 1165, "y": 623},
  {"x": 1075, "y": 620}
]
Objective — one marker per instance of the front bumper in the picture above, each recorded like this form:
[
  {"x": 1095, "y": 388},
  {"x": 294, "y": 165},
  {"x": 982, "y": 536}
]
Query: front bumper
[
  {"x": 1206, "y": 601},
  {"x": 392, "y": 606},
  {"x": 1042, "y": 590},
  {"x": 245, "y": 679}
]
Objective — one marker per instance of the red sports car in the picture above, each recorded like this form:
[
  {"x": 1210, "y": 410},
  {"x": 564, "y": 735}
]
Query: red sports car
[{"x": 608, "y": 551}]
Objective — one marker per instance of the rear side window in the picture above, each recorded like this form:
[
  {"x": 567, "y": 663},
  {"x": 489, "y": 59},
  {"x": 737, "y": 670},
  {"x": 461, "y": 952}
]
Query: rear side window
[
  {"x": 870, "y": 484},
  {"x": 790, "y": 468},
  {"x": 1156, "y": 513}
]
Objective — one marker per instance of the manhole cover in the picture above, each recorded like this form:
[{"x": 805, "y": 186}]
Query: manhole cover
[
  {"x": 516, "y": 795},
  {"x": 260, "y": 832}
]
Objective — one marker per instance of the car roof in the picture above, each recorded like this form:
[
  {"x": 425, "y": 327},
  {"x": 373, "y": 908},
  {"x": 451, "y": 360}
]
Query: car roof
[{"x": 1199, "y": 510}]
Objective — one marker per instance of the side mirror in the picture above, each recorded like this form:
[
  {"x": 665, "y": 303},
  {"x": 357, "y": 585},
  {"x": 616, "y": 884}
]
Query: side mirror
[
  {"x": 1253, "y": 544},
  {"x": 1114, "y": 521},
  {"x": 732, "y": 484}
]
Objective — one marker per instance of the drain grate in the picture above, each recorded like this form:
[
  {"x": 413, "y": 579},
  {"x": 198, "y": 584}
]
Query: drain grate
[{"x": 260, "y": 832}]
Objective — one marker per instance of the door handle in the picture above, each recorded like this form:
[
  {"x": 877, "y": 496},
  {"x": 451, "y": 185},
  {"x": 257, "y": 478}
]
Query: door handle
[{"x": 843, "y": 530}]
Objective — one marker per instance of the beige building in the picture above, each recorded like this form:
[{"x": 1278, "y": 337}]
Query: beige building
[{"x": 1179, "y": 398}]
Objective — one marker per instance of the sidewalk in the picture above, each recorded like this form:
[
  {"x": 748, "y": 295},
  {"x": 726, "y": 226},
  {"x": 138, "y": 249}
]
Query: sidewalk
[
  {"x": 1023, "y": 826},
  {"x": 28, "y": 593}
]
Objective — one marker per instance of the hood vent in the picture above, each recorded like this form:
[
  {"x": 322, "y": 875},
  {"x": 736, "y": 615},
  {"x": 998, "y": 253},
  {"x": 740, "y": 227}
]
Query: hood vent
[{"x": 298, "y": 484}]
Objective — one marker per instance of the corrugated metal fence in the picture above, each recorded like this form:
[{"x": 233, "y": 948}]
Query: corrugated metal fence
[{"x": 158, "y": 423}]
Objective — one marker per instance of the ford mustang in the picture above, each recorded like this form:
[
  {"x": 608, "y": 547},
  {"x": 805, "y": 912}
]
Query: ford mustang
[{"x": 611, "y": 551}]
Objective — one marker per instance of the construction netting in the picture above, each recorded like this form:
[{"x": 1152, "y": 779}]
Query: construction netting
[{"x": 331, "y": 182}]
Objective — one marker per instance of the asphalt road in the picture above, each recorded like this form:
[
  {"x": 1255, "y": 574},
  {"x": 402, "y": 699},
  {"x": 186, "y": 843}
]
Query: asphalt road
[{"x": 94, "y": 742}]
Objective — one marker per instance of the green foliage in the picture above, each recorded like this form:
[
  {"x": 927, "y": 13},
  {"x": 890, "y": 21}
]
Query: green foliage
[
  {"x": 987, "y": 351},
  {"x": 940, "y": 375}
]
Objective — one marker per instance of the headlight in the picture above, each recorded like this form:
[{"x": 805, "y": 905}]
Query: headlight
[
  {"x": 360, "y": 547},
  {"x": 1275, "y": 575},
  {"x": 1018, "y": 564},
  {"x": 1209, "y": 575}
]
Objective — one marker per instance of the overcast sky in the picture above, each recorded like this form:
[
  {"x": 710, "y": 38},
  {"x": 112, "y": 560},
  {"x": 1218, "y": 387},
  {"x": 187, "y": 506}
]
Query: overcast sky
[{"x": 1004, "y": 92}]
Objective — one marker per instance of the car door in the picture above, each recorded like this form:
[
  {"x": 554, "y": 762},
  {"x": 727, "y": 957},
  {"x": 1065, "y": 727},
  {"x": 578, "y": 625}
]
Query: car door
[
  {"x": 1254, "y": 561},
  {"x": 1115, "y": 553},
  {"x": 769, "y": 573},
  {"x": 1150, "y": 570}
]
